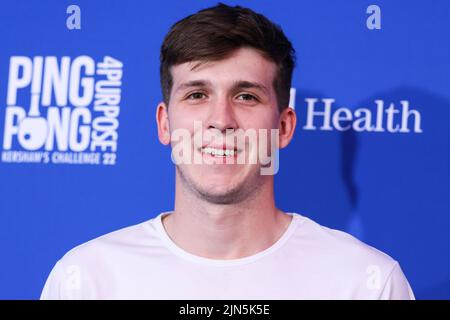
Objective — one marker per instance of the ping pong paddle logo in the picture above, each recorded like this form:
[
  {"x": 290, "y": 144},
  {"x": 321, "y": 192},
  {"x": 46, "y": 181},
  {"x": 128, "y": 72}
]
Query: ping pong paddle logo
[{"x": 62, "y": 110}]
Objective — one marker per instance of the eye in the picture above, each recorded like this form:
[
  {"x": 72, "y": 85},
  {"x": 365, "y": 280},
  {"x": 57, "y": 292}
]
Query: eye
[
  {"x": 247, "y": 97},
  {"x": 196, "y": 96}
]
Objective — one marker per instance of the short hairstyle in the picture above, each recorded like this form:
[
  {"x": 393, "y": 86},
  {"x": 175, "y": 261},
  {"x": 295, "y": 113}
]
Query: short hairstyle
[{"x": 214, "y": 33}]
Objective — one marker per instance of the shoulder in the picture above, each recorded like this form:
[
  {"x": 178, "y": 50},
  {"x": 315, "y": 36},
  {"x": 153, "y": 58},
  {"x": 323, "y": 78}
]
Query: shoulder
[
  {"x": 112, "y": 245},
  {"x": 111, "y": 249},
  {"x": 77, "y": 273},
  {"x": 343, "y": 261},
  {"x": 338, "y": 245}
]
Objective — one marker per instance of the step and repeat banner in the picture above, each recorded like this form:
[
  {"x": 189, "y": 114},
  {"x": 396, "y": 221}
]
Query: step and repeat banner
[{"x": 79, "y": 154}]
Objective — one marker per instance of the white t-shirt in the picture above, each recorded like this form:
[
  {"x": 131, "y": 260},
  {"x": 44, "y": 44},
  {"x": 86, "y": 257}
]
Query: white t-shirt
[{"x": 309, "y": 261}]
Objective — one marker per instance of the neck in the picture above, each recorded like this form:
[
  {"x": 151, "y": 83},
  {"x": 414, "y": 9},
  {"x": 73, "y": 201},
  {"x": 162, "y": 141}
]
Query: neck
[{"x": 230, "y": 231}]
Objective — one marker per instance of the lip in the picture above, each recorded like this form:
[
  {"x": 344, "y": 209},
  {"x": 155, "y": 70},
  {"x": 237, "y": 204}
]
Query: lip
[
  {"x": 220, "y": 147},
  {"x": 223, "y": 147}
]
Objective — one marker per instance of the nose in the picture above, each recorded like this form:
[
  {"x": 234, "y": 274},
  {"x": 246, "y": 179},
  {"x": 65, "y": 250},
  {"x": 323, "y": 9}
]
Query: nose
[{"x": 221, "y": 116}]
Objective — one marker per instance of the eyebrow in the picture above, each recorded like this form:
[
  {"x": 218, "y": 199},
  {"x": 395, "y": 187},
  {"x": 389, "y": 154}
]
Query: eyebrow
[
  {"x": 249, "y": 85},
  {"x": 193, "y": 84},
  {"x": 241, "y": 84}
]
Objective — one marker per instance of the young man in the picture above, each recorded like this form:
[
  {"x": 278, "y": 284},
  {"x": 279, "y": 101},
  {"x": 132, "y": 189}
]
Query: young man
[{"x": 226, "y": 75}]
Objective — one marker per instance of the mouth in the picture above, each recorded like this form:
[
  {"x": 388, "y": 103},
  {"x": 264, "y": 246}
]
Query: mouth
[{"x": 219, "y": 152}]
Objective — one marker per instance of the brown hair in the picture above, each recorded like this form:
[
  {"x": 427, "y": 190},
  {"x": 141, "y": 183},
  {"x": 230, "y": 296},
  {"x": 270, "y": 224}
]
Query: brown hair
[{"x": 213, "y": 33}]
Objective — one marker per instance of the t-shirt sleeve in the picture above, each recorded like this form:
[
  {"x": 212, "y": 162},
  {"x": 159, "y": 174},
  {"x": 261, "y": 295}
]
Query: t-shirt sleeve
[
  {"x": 52, "y": 288},
  {"x": 64, "y": 282},
  {"x": 397, "y": 286}
]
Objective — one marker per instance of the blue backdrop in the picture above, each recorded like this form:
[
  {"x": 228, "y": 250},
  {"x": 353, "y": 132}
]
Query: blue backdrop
[{"x": 389, "y": 185}]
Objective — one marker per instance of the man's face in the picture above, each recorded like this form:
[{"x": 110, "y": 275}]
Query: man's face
[{"x": 234, "y": 93}]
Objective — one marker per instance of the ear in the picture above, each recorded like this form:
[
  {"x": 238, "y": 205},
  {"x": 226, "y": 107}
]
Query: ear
[
  {"x": 162, "y": 121},
  {"x": 286, "y": 125}
]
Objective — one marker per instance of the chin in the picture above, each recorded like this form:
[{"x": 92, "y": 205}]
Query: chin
[
  {"x": 219, "y": 191},
  {"x": 218, "y": 187},
  {"x": 222, "y": 196}
]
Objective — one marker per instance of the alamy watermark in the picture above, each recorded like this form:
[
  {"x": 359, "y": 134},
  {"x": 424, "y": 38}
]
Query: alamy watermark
[{"x": 250, "y": 146}]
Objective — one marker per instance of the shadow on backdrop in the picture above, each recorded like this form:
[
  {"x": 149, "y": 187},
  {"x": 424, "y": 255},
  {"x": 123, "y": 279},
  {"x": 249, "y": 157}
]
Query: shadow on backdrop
[{"x": 390, "y": 190}]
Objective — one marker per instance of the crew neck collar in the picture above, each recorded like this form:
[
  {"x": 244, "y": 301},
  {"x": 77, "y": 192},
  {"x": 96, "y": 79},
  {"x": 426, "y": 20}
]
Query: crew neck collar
[{"x": 174, "y": 248}]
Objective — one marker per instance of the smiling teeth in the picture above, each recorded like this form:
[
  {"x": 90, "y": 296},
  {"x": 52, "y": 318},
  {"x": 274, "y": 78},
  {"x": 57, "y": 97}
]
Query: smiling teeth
[{"x": 218, "y": 152}]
